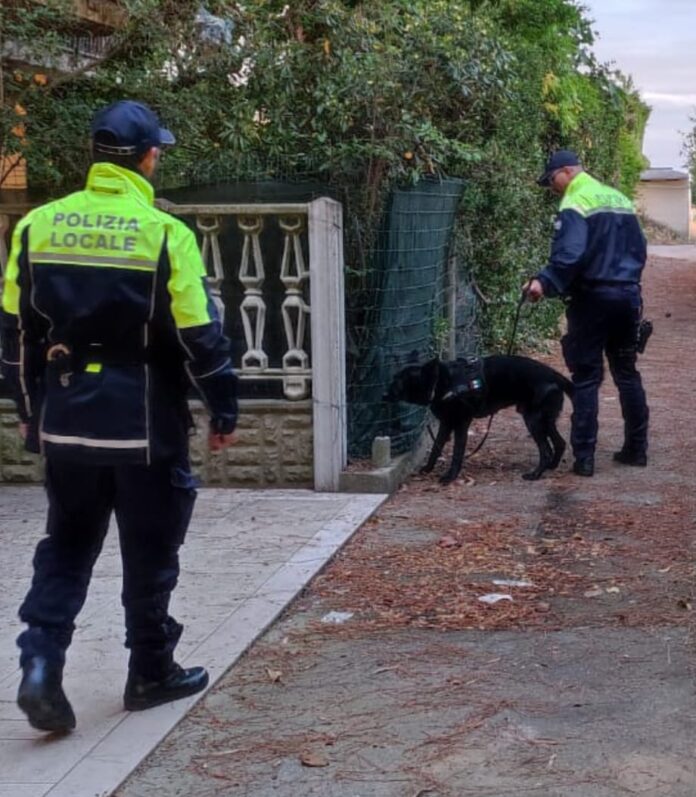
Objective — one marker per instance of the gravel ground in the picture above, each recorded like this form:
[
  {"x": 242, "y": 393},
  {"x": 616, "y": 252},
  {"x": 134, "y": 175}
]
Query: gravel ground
[{"x": 582, "y": 685}]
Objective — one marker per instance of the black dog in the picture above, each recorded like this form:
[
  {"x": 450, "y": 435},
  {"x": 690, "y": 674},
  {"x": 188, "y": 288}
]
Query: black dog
[{"x": 455, "y": 399}]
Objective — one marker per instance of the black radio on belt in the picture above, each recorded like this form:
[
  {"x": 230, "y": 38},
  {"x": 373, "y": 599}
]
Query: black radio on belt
[{"x": 645, "y": 330}]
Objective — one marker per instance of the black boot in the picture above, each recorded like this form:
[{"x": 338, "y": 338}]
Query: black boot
[
  {"x": 42, "y": 699},
  {"x": 627, "y": 457},
  {"x": 142, "y": 693},
  {"x": 584, "y": 466}
]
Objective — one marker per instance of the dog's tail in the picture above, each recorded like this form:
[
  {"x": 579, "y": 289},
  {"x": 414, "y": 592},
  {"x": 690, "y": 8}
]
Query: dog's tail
[{"x": 566, "y": 385}]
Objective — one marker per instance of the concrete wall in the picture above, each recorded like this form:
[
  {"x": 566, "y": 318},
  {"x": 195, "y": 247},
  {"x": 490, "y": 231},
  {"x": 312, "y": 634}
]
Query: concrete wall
[
  {"x": 274, "y": 448},
  {"x": 667, "y": 202}
]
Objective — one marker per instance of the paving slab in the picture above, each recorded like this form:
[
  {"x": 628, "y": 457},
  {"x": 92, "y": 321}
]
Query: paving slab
[{"x": 247, "y": 555}]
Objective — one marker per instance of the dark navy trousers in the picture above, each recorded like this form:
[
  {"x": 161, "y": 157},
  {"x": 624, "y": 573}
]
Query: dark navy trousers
[
  {"x": 604, "y": 320},
  {"x": 153, "y": 506}
]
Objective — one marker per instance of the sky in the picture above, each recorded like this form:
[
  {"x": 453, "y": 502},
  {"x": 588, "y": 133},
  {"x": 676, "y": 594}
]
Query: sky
[{"x": 654, "y": 41}]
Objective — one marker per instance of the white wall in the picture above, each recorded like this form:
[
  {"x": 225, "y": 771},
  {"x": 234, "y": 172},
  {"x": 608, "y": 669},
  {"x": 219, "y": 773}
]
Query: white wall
[{"x": 667, "y": 202}]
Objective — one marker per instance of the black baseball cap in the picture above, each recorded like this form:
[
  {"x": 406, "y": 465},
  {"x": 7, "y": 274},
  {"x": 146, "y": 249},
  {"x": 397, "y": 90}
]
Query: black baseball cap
[
  {"x": 128, "y": 128},
  {"x": 559, "y": 159}
]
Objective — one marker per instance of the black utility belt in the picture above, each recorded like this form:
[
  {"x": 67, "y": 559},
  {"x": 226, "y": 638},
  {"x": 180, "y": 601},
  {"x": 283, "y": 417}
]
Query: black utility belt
[
  {"x": 64, "y": 357},
  {"x": 584, "y": 289},
  {"x": 590, "y": 284}
]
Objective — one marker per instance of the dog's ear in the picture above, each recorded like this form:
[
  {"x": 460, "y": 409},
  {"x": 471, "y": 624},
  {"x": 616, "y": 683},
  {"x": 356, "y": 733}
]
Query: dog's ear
[
  {"x": 429, "y": 374},
  {"x": 412, "y": 358}
]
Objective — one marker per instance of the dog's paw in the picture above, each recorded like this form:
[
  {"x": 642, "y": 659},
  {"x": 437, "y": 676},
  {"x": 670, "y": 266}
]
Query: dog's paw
[
  {"x": 446, "y": 479},
  {"x": 425, "y": 470}
]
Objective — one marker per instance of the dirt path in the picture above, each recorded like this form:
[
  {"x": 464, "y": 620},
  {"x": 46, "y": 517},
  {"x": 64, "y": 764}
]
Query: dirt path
[{"x": 582, "y": 685}]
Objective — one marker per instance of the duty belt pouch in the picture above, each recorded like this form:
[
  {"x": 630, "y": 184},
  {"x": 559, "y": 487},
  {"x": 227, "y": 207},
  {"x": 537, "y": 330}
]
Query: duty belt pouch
[{"x": 645, "y": 330}]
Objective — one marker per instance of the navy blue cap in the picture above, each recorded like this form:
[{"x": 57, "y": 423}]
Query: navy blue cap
[
  {"x": 559, "y": 159},
  {"x": 128, "y": 128}
]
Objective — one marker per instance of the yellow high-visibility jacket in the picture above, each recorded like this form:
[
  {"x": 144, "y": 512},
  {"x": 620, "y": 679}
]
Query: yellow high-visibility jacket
[
  {"x": 597, "y": 240},
  {"x": 106, "y": 323}
]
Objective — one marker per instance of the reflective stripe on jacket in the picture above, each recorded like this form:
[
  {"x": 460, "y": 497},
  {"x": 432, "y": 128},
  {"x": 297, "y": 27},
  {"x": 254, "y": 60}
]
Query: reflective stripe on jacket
[
  {"x": 107, "y": 320},
  {"x": 597, "y": 239}
]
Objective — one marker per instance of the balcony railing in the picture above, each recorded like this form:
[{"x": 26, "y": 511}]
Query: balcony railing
[{"x": 294, "y": 369}]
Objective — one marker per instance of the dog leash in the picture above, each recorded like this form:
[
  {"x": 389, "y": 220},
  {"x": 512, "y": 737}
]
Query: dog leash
[
  {"x": 513, "y": 334},
  {"x": 511, "y": 346}
]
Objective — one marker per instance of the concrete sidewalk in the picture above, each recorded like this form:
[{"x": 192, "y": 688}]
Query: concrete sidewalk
[
  {"x": 673, "y": 251},
  {"x": 248, "y": 554}
]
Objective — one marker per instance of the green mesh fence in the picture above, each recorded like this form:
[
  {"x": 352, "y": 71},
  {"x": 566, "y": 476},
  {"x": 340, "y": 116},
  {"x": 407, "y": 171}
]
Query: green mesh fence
[{"x": 397, "y": 311}]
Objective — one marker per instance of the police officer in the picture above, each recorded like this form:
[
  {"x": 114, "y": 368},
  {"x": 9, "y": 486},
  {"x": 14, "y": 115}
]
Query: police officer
[
  {"x": 597, "y": 257},
  {"x": 106, "y": 323}
]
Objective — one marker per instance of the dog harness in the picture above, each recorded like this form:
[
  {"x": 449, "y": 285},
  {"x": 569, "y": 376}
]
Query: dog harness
[{"x": 466, "y": 379}]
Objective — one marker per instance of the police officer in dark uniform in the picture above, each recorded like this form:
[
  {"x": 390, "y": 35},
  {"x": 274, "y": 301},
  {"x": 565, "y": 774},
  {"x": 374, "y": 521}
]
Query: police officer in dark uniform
[
  {"x": 106, "y": 324},
  {"x": 597, "y": 257}
]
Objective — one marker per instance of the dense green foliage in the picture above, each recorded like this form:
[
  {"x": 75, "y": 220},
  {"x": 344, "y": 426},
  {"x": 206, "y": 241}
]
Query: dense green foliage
[{"x": 362, "y": 94}]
